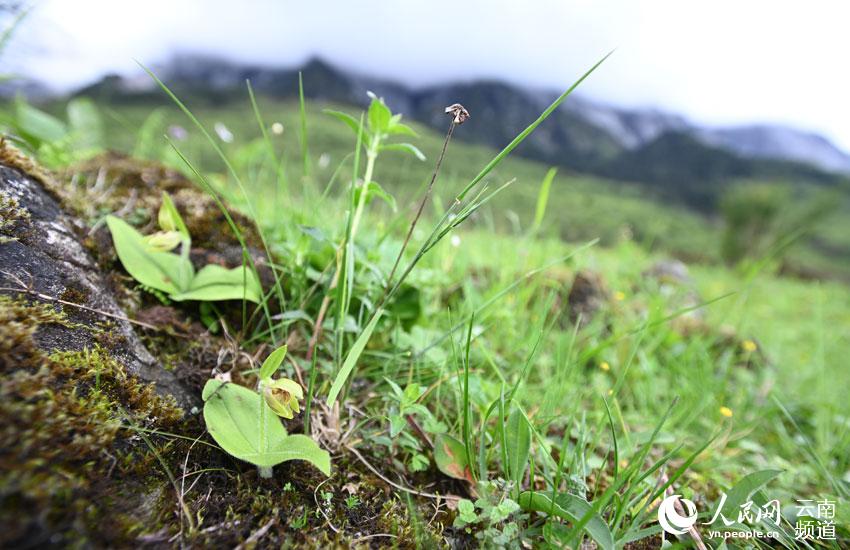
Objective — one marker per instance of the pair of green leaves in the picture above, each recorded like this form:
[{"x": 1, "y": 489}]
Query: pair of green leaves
[
  {"x": 149, "y": 260},
  {"x": 244, "y": 425}
]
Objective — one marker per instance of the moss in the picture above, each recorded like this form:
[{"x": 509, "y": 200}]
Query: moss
[
  {"x": 75, "y": 295},
  {"x": 13, "y": 218},
  {"x": 63, "y": 447},
  {"x": 19, "y": 321},
  {"x": 13, "y": 157},
  {"x": 135, "y": 192},
  {"x": 67, "y": 456}
]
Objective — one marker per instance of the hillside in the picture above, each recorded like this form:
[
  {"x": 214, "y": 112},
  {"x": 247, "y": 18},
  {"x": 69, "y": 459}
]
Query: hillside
[{"x": 585, "y": 136}]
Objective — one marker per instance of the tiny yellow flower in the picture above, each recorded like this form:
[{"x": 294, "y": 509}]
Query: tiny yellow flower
[
  {"x": 619, "y": 296},
  {"x": 163, "y": 241},
  {"x": 282, "y": 396},
  {"x": 749, "y": 346},
  {"x": 605, "y": 366},
  {"x": 726, "y": 411},
  {"x": 610, "y": 392}
]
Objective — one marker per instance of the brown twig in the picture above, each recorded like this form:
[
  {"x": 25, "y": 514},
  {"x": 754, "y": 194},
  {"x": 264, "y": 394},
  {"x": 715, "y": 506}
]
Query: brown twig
[
  {"x": 319, "y": 506},
  {"x": 80, "y": 306},
  {"x": 421, "y": 207}
]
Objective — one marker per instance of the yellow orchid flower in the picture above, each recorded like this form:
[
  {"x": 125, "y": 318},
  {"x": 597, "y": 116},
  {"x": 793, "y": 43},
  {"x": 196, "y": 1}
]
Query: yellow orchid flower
[
  {"x": 282, "y": 396},
  {"x": 163, "y": 241}
]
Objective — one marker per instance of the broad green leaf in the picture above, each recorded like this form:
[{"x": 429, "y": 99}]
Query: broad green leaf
[
  {"x": 160, "y": 270},
  {"x": 742, "y": 491},
  {"x": 169, "y": 218},
  {"x": 352, "y": 358},
  {"x": 37, "y": 124},
  {"x": 397, "y": 424},
  {"x": 232, "y": 414},
  {"x": 570, "y": 508},
  {"x": 379, "y": 115},
  {"x": 272, "y": 362},
  {"x": 149, "y": 135},
  {"x": 85, "y": 124},
  {"x": 404, "y": 148},
  {"x": 518, "y": 443},
  {"x": 296, "y": 447},
  {"x": 450, "y": 456},
  {"x": 214, "y": 283}
]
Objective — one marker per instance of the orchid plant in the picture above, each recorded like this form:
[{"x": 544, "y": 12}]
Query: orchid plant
[{"x": 245, "y": 422}]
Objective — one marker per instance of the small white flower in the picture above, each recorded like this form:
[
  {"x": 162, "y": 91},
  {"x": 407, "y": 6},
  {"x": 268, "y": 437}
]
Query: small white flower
[
  {"x": 224, "y": 134},
  {"x": 277, "y": 128},
  {"x": 324, "y": 161},
  {"x": 455, "y": 241},
  {"x": 178, "y": 133}
]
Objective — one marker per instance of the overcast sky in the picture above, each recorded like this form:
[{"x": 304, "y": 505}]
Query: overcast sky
[{"x": 717, "y": 62}]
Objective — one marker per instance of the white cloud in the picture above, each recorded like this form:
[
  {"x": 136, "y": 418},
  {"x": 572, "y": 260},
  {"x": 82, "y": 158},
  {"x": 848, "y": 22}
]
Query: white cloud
[{"x": 725, "y": 61}]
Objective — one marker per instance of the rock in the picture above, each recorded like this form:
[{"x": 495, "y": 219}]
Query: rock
[
  {"x": 670, "y": 272},
  {"x": 587, "y": 296},
  {"x": 42, "y": 259}
]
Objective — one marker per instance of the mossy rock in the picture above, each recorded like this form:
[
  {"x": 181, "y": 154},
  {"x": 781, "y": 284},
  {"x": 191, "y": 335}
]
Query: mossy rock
[{"x": 45, "y": 260}]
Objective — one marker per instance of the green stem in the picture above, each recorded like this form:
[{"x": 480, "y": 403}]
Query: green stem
[
  {"x": 371, "y": 155},
  {"x": 265, "y": 471}
]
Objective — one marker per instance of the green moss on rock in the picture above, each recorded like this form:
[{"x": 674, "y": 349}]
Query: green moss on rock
[
  {"x": 63, "y": 438},
  {"x": 12, "y": 217}
]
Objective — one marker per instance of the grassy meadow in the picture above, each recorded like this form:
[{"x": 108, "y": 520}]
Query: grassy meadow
[{"x": 568, "y": 414}]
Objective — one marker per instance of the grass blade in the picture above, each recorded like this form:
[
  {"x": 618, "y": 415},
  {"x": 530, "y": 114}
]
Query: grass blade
[{"x": 351, "y": 358}]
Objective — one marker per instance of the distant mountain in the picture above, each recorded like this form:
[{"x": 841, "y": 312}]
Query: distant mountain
[
  {"x": 650, "y": 146},
  {"x": 780, "y": 142}
]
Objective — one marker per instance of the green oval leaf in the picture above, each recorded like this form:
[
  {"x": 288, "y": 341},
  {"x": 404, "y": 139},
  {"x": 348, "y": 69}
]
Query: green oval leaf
[
  {"x": 518, "y": 443},
  {"x": 351, "y": 122},
  {"x": 404, "y": 148},
  {"x": 160, "y": 270},
  {"x": 240, "y": 422},
  {"x": 450, "y": 456},
  {"x": 214, "y": 282}
]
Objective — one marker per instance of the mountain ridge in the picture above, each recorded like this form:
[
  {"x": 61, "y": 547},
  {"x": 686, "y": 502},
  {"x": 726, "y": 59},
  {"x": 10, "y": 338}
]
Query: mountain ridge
[{"x": 584, "y": 135}]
